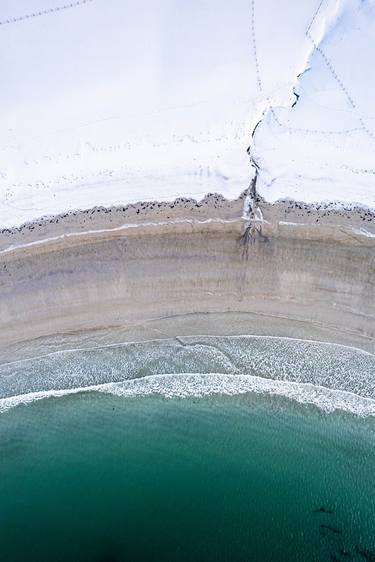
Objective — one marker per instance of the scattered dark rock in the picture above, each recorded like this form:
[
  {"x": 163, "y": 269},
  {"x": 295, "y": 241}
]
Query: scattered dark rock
[
  {"x": 331, "y": 529},
  {"x": 323, "y": 509}
]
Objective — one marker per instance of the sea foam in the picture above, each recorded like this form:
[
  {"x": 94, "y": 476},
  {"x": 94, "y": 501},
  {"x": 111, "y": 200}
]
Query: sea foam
[
  {"x": 189, "y": 385},
  {"x": 333, "y": 377}
]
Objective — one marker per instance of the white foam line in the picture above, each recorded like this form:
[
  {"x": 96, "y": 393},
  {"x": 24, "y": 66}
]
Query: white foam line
[
  {"x": 115, "y": 229},
  {"x": 199, "y": 385},
  {"x": 175, "y": 338},
  {"x": 13, "y": 401}
]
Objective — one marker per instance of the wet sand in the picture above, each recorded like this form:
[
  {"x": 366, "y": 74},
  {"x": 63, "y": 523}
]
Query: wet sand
[{"x": 164, "y": 269}]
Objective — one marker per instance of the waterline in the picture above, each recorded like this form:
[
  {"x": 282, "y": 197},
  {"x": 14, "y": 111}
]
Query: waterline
[{"x": 331, "y": 376}]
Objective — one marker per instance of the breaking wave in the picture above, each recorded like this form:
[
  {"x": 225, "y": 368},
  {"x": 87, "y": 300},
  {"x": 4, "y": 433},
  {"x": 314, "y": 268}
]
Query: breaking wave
[{"x": 330, "y": 376}]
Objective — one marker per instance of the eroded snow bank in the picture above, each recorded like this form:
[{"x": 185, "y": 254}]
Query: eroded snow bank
[{"x": 114, "y": 102}]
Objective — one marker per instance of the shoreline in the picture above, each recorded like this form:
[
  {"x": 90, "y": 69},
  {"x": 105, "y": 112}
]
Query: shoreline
[
  {"x": 89, "y": 272},
  {"x": 304, "y": 371}
]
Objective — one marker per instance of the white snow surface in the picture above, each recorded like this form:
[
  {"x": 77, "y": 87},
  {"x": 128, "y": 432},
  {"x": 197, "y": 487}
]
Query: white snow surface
[
  {"x": 113, "y": 101},
  {"x": 323, "y": 148}
]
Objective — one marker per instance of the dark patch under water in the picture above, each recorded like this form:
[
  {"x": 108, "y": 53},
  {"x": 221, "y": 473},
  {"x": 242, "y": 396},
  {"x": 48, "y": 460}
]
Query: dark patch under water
[{"x": 99, "y": 478}]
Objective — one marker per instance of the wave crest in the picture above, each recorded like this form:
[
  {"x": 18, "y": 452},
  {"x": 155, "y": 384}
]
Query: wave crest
[
  {"x": 328, "y": 375},
  {"x": 188, "y": 385}
]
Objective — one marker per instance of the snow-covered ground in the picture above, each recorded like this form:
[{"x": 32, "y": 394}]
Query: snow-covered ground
[
  {"x": 322, "y": 146},
  {"x": 114, "y": 101}
]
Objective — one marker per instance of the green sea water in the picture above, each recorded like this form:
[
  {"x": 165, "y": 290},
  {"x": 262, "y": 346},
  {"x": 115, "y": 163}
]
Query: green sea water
[
  {"x": 189, "y": 449},
  {"x": 96, "y": 477}
]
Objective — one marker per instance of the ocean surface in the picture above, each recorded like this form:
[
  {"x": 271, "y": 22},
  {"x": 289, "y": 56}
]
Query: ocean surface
[{"x": 212, "y": 449}]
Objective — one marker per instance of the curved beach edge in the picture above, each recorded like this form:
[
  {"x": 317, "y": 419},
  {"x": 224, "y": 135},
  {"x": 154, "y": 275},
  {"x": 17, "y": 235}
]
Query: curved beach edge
[{"x": 199, "y": 267}]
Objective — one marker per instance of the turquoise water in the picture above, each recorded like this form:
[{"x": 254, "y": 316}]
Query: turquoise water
[
  {"x": 95, "y": 477},
  {"x": 216, "y": 465}
]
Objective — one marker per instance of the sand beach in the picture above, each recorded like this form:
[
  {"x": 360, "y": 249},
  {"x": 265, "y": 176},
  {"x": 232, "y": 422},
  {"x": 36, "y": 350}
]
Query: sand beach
[{"x": 143, "y": 271}]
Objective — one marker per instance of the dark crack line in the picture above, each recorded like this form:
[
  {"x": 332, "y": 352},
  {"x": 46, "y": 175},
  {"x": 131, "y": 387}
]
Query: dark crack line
[
  {"x": 331, "y": 68},
  {"x": 296, "y": 100}
]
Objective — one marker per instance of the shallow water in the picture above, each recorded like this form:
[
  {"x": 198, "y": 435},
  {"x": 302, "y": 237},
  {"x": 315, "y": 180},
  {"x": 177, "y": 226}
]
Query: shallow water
[
  {"x": 328, "y": 375},
  {"x": 264, "y": 449}
]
